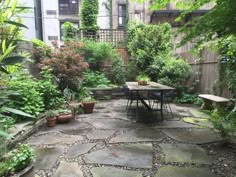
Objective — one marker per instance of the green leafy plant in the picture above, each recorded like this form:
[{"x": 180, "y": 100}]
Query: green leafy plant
[
  {"x": 189, "y": 98},
  {"x": 11, "y": 29},
  {"x": 88, "y": 99},
  {"x": 52, "y": 98},
  {"x": 51, "y": 113},
  {"x": 143, "y": 77},
  {"x": 118, "y": 73},
  {"x": 89, "y": 14},
  {"x": 95, "y": 79},
  {"x": 95, "y": 53},
  {"x": 69, "y": 31},
  {"x": 147, "y": 43},
  {"x": 16, "y": 160},
  {"x": 224, "y": 122},
  {"x": 174, "y": 73},
  {"x": 30, "y": 99}
]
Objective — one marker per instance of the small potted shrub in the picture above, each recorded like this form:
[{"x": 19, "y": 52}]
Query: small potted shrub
[
  {"x": 64, "y": 116},
  {"x": 143, "y": 79},
  {"x": 51, "y": 117},
  {"x": 18, "y": 162},
  {"x": 88, "y": 103}
]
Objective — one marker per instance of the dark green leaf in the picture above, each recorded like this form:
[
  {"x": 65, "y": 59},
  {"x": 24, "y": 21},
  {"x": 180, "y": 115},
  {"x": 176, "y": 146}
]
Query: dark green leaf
[
  {"x": 15, "y": 111},
  {"x": 16, "y": 24}
]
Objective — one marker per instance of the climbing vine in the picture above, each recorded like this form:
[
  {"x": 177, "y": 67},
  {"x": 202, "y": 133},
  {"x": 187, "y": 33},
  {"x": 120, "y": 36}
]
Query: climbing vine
[{"x": 89, "y": 15}]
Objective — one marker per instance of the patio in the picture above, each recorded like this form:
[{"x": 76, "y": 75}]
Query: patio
[{"x": 110, "y": 142}]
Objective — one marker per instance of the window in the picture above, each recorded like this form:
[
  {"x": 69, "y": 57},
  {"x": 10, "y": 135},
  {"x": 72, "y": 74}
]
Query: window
[
  {"x": 121, "y": 15},
  {"x": 76, "y": 23},
  {"x": 68, "y": 7}
]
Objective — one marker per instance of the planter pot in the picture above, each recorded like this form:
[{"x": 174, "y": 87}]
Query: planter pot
[
  {"x": 26, "y": 172},
  {"x": 142, "y": 82},
  {"x": 51, "y": 122},
  {"x": 64, "y": 118},
  {"x": 88, "y": 107}
]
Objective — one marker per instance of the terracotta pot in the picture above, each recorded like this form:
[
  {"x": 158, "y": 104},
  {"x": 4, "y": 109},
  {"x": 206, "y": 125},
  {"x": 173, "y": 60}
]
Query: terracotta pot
[
  {"x": 142, "y": 82},
  {"x": 26, "y": 172},
  {"x": 88, "y": 107},
  {"x": 51, "y": 122},
  {"x": 64, "y": 118}
]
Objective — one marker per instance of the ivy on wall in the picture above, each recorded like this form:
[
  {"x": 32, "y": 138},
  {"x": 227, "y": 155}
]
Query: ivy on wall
[{"x": 89, "y": 15}]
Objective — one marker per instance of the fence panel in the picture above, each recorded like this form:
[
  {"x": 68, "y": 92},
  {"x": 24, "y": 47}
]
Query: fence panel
[{"x": 117, "y": 37}]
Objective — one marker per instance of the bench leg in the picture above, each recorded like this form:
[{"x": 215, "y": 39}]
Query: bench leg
[{"x": 207, "y": 105}]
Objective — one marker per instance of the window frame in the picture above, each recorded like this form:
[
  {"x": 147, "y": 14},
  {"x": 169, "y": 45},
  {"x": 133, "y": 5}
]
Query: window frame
[
  {"x": 70, "y": 10},
  {"x": 122, "y": 15}
]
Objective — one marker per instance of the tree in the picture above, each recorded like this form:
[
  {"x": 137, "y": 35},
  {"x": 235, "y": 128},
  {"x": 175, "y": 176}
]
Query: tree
[
  {"x": 89, "y": 15},
  {"x": 218, "y": 22}
]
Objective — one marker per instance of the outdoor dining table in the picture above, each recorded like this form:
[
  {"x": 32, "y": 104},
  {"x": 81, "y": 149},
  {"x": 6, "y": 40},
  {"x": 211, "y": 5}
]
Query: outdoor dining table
[{"x": 152, "y": 87}]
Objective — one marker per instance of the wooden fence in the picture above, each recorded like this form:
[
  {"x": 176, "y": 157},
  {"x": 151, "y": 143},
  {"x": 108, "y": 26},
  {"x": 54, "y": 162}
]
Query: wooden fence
[{"x": 205, "y": 69}]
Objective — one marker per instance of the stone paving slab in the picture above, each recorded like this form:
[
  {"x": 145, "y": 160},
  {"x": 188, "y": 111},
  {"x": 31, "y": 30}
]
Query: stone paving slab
[
  {"x": 79, "y": 149},
  {"x": 80, "y": 132},
  {"x": 198, "y": 114},
  {"x": 113, "y": 172},
  {"x": 198, "y": 121},
  {"x": 100, "y": 134},
  {"x": 134, "y": 155},
  {"x": 74, "y": 124},
  {"x": 185, "y": 153},
  {"x": 195, "y": 136},
  {"x": 67, "y": 169},
  {"x": 139, "y": 135},
  {"x": 173, "y": 124},
  {"x": 54, "y": 139},
  {"x": 114, "y": 124},
  {"x": 47, "y": 157},
  {"x": 169, "y": 171}
]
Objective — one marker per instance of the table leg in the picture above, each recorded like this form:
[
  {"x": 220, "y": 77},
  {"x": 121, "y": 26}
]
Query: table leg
[{"x": 162, "y": 97}]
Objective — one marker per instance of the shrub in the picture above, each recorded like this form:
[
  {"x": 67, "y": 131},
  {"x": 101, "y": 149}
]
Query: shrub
[
  {"x": 67, "y": 66},
  {"x": 52, "y": 98},
  {"x": 30, "y": 99},
  {"x": 132, "y": 70},
  {"x": 16, "y": 160},
  {"x": 95, "y": 79},
  {"x": 96, "y": 53},
  {"x": 69, "y": 31},
  {"x": 174, "y": 73},
  {"x": 118, "y": 71},
  {"x": 148, "y": 42},
  {"x": 189, "y": 98},
  {"x": 224, "y": 122},
  {"x": 89, "y": 14}
]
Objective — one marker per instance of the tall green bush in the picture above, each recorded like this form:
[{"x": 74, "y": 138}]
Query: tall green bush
[
  {"x": 147, "y": 43},
  {"x": 89, "y": 14},
  {"x": 174, "y": 73},
  {"x": 118, "y": 71},
  {"x": 69, "y": 31},
  {"x": 95, "y": 53}
]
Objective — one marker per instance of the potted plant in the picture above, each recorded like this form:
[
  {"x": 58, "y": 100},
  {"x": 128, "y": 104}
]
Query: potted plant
[
  {"x": 51, "y": 117},
  {"x": 18, "y": 162},
  {"x": 143, "y": 79},
  {"x": 64, "y": 116},
  {"x": 88, "y": 103}
]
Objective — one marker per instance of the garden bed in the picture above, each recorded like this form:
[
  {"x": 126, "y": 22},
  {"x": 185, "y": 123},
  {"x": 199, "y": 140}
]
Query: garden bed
[{"x": 108, "y": 93}]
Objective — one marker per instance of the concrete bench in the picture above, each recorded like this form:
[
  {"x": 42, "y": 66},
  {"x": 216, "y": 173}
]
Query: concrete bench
[{"x": 211, "y": 101}]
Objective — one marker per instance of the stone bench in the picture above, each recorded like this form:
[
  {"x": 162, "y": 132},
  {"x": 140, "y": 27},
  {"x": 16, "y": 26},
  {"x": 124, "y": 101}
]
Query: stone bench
[{"x": 211, "y": 101}]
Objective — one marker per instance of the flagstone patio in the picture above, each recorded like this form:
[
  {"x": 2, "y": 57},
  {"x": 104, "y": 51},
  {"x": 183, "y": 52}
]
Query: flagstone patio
[{"x": 110, "y": 143}]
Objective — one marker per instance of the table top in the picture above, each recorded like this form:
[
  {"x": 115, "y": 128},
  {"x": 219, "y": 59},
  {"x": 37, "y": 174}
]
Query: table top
[{"x": 152, "y": 86}]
